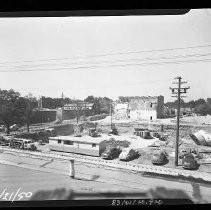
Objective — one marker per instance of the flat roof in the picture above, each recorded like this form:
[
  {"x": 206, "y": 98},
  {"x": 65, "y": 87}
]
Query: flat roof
[{"x": 83, "y": 139}]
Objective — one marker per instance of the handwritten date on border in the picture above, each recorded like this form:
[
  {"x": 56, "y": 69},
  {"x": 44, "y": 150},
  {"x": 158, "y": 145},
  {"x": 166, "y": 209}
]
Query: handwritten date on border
[{"x": 18, "y": 195}]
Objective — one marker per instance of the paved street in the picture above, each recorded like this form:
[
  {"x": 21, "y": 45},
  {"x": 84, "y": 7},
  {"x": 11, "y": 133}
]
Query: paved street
[{"x": 35, "y": 174}]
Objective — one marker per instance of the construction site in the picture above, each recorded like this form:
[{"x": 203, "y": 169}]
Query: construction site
[
  {"x": 97, "y": 105},
  {"x": 144, "y": 136}
]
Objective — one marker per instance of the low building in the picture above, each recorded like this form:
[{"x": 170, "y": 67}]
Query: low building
[
  {"x": 79, "y": 105},
  {"x": 86, "y": 145},
  {"x": 140, "y": 108},
  {"x": 69, "y": 111}
]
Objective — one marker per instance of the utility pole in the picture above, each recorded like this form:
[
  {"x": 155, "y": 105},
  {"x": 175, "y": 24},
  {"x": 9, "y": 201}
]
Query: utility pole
[
  {"x": 177, "y": 92},
  {"x": 62, "y": 100},
  {"x": 111, "y": 113},
  {"x": 77, "y": 112}
]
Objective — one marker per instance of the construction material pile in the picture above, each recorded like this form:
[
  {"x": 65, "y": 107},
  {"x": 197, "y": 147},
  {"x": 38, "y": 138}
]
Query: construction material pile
[{"x": 201, "y": 138}]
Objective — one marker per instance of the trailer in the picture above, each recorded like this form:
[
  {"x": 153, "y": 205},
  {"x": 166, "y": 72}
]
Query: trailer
[{"x": 86, "y": 145}]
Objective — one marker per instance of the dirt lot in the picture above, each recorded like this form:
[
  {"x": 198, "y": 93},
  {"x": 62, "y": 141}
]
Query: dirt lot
[{"x": 126, "y": 128}]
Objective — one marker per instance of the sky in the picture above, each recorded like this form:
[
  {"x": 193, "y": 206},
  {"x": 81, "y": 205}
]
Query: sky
[{"x": 106, "y": 56}]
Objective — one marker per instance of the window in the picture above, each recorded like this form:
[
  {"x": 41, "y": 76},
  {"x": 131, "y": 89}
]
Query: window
[
  {"x": 151, "y": 105},
  {"x": 59, "y": 141},
  {"x": 68, "y": 142},
  {"x": 93, "y": 145}
]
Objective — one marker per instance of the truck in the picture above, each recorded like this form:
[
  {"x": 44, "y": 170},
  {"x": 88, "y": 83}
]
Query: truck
[{"x": 25, "y": 144}]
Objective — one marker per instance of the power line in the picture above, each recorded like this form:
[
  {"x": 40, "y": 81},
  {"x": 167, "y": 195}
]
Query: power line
[
  {"x": 109, "y": 54},
  {"x": 125, "y": 60},
  {"x": 105, "y": 66},
  {"x": 127, "y": 84}
]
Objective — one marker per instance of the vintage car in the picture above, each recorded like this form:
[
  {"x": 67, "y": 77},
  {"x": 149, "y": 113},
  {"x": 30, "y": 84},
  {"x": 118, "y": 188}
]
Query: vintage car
[
  {"x": 51, "y": 132},
  {"x": 128, "y": 154},
  {"x": 93, "y": 132},
  {"x": 159, "y": 157},
  {"x": 22, "y": 144},
  {"x": 111, "y": 153},
  {"x": 189, "y": 162},
  {"x": 114, "y": 131}
]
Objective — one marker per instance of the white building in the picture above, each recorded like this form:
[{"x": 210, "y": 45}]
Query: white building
[
  {"x": 140, "y": 108},
  {"x": 81, "y": 145}
]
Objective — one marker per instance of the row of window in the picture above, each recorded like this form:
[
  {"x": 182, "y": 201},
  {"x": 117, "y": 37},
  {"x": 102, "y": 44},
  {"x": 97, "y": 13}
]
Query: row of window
[{"x": 71, "y": 143}]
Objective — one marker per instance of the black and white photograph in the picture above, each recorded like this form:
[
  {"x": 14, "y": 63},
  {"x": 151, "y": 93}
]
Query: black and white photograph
[{"x": 106, "y": 110}]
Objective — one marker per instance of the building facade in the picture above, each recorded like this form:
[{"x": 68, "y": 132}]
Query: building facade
[
  {"x": 140, "y": 108},
  {"x": 70, "y": 111},
  {"x": 86, "y": 145}
]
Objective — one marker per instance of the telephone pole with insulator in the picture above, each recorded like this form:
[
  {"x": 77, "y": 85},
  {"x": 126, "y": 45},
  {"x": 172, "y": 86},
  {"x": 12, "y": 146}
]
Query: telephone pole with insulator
[{"x": 178, "y": 93}]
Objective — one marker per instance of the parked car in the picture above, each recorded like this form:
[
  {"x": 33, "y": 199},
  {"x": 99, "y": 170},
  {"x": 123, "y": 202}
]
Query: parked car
[
  {"x": 189, "y": 162},
  {"x": 114, "y": 131},
  {"x": 93, "y": 132},
  {"x": 22, "y": 144},
  {"x": 159, "y": 157},
  {"x": 111, "y": 153},
  {"x": 128, "y": 154},
  {"x": 51, "y": 132}
]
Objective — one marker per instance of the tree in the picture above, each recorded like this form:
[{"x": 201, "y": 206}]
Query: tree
[
  {"x": 105, "y": 105},
  {"x": 209, "y": 101},
  {"x": 7, "y": 115},
  {"x": 174, "y": 104},
  {"x": 33, "y": 100},
  {"x": 23, "y": 110},
  {"x": 14, "y": 109},
  {"x": 191, "y": 104},
  {"x": 8, "y": 112},
  {"x": 124, "y": 99},
  {"x": 90, "y": 99},
  {"x": 96, "y": 106},
  {"x": 199, "y": 102},
  {"x": 203, "y": 109}
]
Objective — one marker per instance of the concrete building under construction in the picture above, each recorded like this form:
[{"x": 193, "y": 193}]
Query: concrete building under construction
[{"x": 140, "y": 108}]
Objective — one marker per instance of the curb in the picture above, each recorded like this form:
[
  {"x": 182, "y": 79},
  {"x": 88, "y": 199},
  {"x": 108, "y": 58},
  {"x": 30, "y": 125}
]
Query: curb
[{"x": 155, "y": 170}]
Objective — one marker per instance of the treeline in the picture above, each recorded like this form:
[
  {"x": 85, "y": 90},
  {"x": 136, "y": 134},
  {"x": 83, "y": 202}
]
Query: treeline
[
  {"x": 100, "y": 104},
  {"x": 16, "y": 109},
  {"x": 199, "y": 106}
]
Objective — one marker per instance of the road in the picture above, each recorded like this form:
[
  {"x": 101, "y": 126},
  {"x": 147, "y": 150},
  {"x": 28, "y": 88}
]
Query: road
[{"x": 33, "y": 174}]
